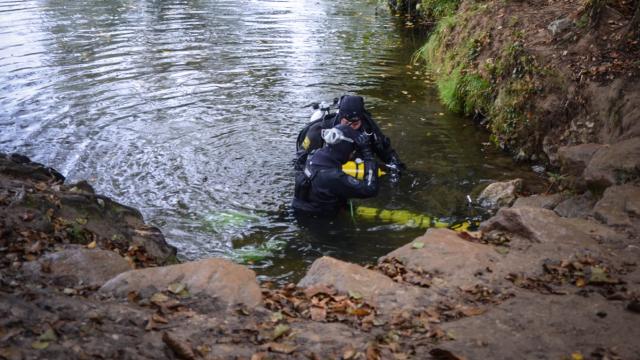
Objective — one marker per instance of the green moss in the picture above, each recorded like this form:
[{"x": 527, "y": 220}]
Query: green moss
[
  {"x": 500, "y": 88},
  {"x": 438, "y": 9},
  {"x": 448, "y": 88}
]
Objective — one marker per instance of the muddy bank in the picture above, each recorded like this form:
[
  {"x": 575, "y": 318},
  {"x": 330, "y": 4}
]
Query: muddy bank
[{"x": 82, "y": 277}]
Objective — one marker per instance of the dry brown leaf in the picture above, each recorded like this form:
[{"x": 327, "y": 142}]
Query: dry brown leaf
[
  {"x": 318, "y": 313},
  {"x": 159, "y": 319},
  {"x": 181, "y": 348},
  {"x": 319, "y": 289},
  {"x": 372, "y": 352},
  {"x": 472, "y": 311},
  {"x": 279, "y": 348},
  {"x": 259, "y": 356}
]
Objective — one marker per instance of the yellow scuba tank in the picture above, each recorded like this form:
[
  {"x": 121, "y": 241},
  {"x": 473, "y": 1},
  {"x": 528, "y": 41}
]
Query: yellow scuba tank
[
  {"x": 356, "y": 169},
  {"x": 404, "y": 217}
]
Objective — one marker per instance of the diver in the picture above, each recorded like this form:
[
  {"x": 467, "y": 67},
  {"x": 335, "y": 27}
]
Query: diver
[
  {"x": 351, "y": 112},
  {"x": 323, "y": 189}
]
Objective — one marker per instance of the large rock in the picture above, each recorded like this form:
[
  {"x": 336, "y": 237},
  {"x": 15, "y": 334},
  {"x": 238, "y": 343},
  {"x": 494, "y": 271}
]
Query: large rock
[
  {"x": 544, "y": 226},
  {"x": 21, "y": 167},
  {"x": 534, "y": 326},
  {"x": 614, "y": 165},
  {"x": 540, "y": 201},
  {"x": 499, "y": 194},
  {"x": 574, "y": 159},
  {"x": 455, "y": 262},
  {"x": 74, "y": 266},
  {"x": 375, "y": 287},
  {"x": 228, "y": 282},
  {"x": 579, "y": 206},
  {"x": 620, "y": 206}
]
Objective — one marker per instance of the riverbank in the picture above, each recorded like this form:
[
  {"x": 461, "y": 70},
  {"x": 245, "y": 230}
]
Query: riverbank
[
  {"x": 539, "y": 75},
  {"x": 83, "y": 276}
]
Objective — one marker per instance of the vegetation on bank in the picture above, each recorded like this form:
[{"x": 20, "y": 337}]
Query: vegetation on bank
[
  {"x": 496, "y": 87},
  {"x": 481, "y": 57}
]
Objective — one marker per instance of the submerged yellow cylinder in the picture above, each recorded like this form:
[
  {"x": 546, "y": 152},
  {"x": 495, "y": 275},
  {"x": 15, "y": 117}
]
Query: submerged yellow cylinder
[
  {"x": 357, "y": 170},
  {"x": 404, "y": 217}
]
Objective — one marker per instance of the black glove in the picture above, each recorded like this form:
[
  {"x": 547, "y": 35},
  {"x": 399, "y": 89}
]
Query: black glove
[
  {"x": 363, "y": 145},
  {"x": 394, "y": 162}
]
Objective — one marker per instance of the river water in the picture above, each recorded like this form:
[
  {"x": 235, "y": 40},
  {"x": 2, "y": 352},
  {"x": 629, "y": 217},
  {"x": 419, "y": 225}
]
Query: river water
[{"x": 188, "y": 111}]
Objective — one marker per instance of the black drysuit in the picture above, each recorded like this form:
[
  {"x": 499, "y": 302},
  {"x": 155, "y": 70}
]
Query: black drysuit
[
  {"x": 309, "y": 139},
  {"x": 323, "y": 189}
]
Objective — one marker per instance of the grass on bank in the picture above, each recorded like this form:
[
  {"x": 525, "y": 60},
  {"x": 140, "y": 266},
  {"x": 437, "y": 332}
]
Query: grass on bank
[{"x": 497, "y": 86}]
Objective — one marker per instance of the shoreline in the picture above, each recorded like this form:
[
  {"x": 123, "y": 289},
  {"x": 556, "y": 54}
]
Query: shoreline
[{"x": 73, "y": 289}]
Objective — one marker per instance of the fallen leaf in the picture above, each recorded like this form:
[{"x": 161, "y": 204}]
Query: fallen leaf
[
  {"x": 441, "y": 354},
  {"x": 417, "y": 245},
  {"x": 355, "y": 295},
  {"x": 40, "y": 345},
  {"x": 81, "y": 221},
  {"x": 318, "y": 313},
  {"x": 472, "y": 311},
  {"x": 576, "y": 356},
  {"x": 133, "y": 296},
  {"x": 502, "y": 250},
  {"x": 181, "y": 348},
  {"x": 360, "y": 312},
  {"x": 349, "y": 353},
  {"x": 279, "y": 331},
  {"x": 277, "y": 316},
  {"x": 159, "y": 319},
  {"x": 69, "y": 291},
  {"x": 279, "y": 348},
  {"x": 48, "y": 336},
  {"x": 27, "y": 216},
  {"x": 176, "y": 288},
  {"x": 159, "y": 298},
  {"x": 319, "y": 289},
  {"x": 204, "y": 350},
  {"x": 92, "y": 245},
  {"x": 581, "y": 282},
  {"x": 259, "y": 356},
  {"x": 372, "y": 352}
]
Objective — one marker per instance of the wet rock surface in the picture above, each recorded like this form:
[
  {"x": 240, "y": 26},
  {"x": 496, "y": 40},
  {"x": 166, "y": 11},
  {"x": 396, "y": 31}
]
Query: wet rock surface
[
  {"x": 500, "y": 194},
  {"x": 532, "y": 283}
]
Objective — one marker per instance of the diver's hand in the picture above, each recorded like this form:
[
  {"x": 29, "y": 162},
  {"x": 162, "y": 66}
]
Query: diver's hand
[
  {"x": 363, "y": 145},
  {"x": 395, "y": 164}
]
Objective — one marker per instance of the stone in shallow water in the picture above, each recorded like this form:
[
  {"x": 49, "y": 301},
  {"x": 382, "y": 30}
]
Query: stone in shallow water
[{"x": 500, "y": 194}]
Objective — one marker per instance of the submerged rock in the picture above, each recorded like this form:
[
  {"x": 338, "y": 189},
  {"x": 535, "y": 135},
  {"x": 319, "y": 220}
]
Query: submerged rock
[
  {"x": 228, "y": 282},
  {"x": 74, "y": 266},
  {"x": 500, "y": 194}
]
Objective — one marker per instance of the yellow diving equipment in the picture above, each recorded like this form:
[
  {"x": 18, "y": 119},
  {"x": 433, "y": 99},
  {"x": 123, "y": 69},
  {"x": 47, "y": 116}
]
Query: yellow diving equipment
[
  {"x": 404, "y": 217},
  {"x": 356, "y": 169}
]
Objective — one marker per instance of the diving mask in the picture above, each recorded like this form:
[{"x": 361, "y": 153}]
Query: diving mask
[{"x": 333, "y": 136}]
